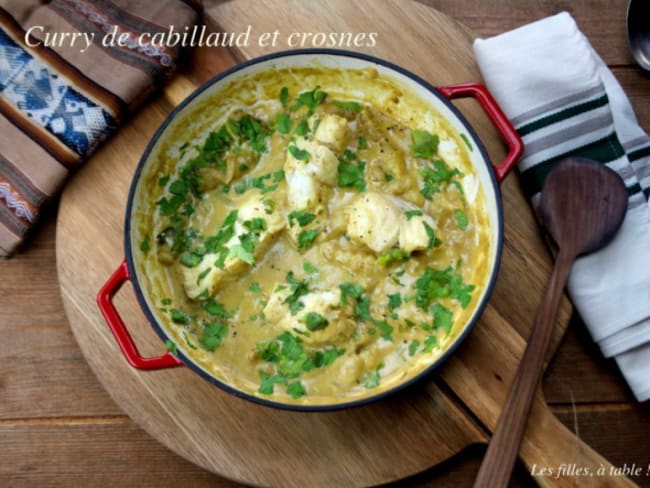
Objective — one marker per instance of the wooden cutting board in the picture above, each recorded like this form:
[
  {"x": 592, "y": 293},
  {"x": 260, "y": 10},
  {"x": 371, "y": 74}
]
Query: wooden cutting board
[{"x": 378, "y": 443}]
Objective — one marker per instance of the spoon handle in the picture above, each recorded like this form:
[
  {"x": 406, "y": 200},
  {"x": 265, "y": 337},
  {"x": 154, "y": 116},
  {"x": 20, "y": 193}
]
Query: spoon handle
[{"x": 496, "y": 468}]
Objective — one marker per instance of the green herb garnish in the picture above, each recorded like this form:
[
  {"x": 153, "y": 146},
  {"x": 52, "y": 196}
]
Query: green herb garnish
[
  {"x": 434, "y": 176},
  {"x": 299, "y": 154},
  {"x": 178, "y": 317},
  {"x": 144, "y": 245},
  {"x": 441, "y": 284},
  {"x": 306, "y": 239},
  {"x": 392, "y": 256},
  {"x": 412, "y": 213},
  {"x": 302, "y": 217},
  {"x": 351, "y": 175},
  {"x": 213, "y": 335},
  {"x": 442, "y": 317},
  {"x": 314, "y": 321},
  {"x": 284, "y": 96},
  {"x": 309, "y": 99},
  {"x": 284, "y": 123},
  {"x": 351, "y": 106},
  {"x": 424, "y": 144},
  {"x": 461, "y": 219},
  {"x": 363, "y": 143},
  {"x": 298, "y": 289},
  {"x": 171, "y": 347},
  {"x": 371, "y": 378}
]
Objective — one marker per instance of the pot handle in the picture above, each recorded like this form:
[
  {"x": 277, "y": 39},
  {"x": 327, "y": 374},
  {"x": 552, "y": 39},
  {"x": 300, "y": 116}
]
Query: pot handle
[
  {"x": 492, "y": 109},
  {"x": 116, "y": 324}
]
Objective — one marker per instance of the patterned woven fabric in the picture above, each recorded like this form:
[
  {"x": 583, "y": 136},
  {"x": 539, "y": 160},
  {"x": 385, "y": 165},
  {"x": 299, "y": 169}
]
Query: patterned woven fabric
[{"x": 57, "y": 104}]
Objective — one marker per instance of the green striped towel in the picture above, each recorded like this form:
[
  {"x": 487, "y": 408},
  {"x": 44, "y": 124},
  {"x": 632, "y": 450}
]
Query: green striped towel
[{"x": 564, "y": 101}]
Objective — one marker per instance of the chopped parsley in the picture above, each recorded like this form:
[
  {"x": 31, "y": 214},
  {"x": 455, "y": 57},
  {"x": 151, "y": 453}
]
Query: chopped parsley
[
  {"x": 310, "y": 99},
  {"x": 284, "y": 123},
  {"x": 298, "y": 289},
  {"x": 259, "y": 182},
  {"x": 291, "y": 360},
  {"x": 213, "y": 335},
  {"x": 413, "y": 347},
  {"x": 351, "y": 174},
  {"x": 392, "y": 256},
  {"x": 363, "y": 143},
  {"x": 352, "y": 290},
  {"x": 412, "y": 213},
  {"x": 171, "y": 347},
  {"x": 424, "y": 144},
  {"x": 255, "y": 287},
  {"x": 306, "y": 238},
  {"x": 309, "y": 267},
  {"x": 302, "y": 129},
  {"x": 433, "y": 240},
  {"x": 429, "y": 343},
  {"x": 190, "y": 260},
  {"x": 351, "y": 106},
  {"x": 296, "y": 390},
  {"x": 268, "y": 382},
  {"x": 299, "y": 154},
  {"x": 434, "y": 176},
  {"x": 441, "y": 284},
  {"x": 327, "y": 356},
  {"x": 385, "y": 329},
  {"x": 461, "y": 219},
  {"x": 216, "y": 309},
  {"x": 284, "y": 96},
  {"x": 178, "y": 317},
  {"x": 144, "y": 245},
  {"x": 394, "y": 301},
  {"x": 302, "y": 217},
  {"x": 314, "y": 321},
  {"x": 371, "y": 378},
  {"x": 442, "y": 317}
]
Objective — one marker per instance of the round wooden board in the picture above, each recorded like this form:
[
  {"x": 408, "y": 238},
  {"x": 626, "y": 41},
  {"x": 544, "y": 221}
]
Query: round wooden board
[{"x": 375, "y": 444}]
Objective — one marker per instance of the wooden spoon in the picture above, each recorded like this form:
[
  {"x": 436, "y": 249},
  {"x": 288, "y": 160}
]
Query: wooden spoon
[{"x": 582, "y": 206}]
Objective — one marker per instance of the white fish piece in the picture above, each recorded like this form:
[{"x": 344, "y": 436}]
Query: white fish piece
[
  {"x": 380, "y": 222},
  {"x": 206, "y": 275},
  {"x": 374, "y": 220},
  {"x": 325, "y": 303},
  {"x": 332, "y": 130}
]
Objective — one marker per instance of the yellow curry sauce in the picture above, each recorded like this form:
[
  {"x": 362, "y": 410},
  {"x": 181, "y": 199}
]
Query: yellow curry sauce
[{"x": 312, "y": 235}]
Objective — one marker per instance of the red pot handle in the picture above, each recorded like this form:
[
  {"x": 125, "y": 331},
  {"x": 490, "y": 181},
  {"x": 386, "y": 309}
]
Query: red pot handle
[
  {"x": 484, "y": 98},
  {"x": 116, "y": 324}
]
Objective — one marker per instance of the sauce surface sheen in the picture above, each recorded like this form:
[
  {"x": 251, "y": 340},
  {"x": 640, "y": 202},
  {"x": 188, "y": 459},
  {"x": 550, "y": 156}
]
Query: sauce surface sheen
[{"x": 312, "y": 235}]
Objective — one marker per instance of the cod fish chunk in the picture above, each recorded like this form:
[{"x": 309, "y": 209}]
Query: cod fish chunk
[
  {"x": 380, "y": 222},
  {"x": 325, "y": 304},
  {"x": 207, "y": 275}
]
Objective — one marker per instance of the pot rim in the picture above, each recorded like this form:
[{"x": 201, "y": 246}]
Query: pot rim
[{"x": 460, "y": 338}]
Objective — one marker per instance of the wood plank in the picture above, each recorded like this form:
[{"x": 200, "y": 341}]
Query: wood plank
[
  {"x": 115, "y": 453},
  {"x": 601, "y": 426},
  {"x": 579, "y": 373},
  {"x": 42, "y": 370},
  {"x": 602, "y": 21}
]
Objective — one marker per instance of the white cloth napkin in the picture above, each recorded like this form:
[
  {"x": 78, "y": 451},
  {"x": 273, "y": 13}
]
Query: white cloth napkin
[{"x": 564, "y": 101}]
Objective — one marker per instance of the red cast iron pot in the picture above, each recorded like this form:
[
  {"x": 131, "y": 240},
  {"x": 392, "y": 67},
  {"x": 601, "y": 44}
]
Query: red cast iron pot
[{"x": 489, "y": 175}]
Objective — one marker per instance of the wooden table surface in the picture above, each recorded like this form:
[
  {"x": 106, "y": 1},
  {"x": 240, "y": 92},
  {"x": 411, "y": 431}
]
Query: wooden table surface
[{"x": 59, "y": 427}]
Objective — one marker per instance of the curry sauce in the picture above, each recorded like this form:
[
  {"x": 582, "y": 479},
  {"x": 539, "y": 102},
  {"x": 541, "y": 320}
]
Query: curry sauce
[{"x": 312, "y": 235}]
